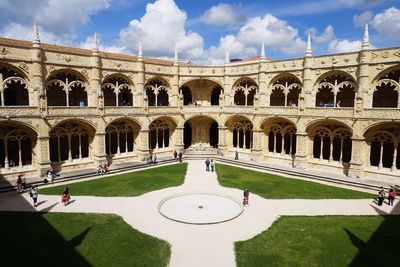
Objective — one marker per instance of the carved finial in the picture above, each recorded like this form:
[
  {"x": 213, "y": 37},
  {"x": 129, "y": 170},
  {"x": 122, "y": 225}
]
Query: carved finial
[
  {"x": 36, "y": 38},
  {"x": 140, "y": 52},
  {"x": 262, "y": 54},
  {"x": 308, "y": 52},
  {"x": 365, "y": 41},
  {"x": 95, "y": 42},
  {"x": 227, "y": 61},
  {"x": 176, "y": 62}
]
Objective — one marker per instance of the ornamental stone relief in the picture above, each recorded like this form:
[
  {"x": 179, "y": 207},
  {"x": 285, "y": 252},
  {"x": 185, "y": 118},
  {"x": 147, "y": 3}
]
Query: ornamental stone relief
[
  {"x": 24, "y": 67},
  {"x": 4, "y": 51}
]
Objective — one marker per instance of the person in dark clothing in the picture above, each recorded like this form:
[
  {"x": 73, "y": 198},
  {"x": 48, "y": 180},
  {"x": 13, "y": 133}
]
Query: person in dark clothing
[
  {"x": 180, "y": 156},
  {"x": 236, "y": 155},
  {"x": 207, "y": 162},
  {"x": 381, "y": 196},
  {"x": 175, "y": 155},
  {"x": 246, "y": 197}
]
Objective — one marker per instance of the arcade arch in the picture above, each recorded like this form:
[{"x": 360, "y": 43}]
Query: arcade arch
[
  {"x": 13, "y": 88},
  {"x": 386, "y": 90},
  {"x": 66, "y": 88},
  {"x": 244, "y": 91},
  {"x": 241, "y": 130},
  {"x": 121, "y": 136},
  {"x": 202, "y": 92},
  {"x": 335, "y": 90},
  {"x": 16, "y": 145},
  {"x": 157, "y": 93},
  {"x": 70, "y": 140},
  {"x": 117, "y": 91},
  {"x": 285, "y": 91},
  {"x": 160, "y": 132},
  {"x": 280, "y": 136},
  {"x": 200, "y": 132}
]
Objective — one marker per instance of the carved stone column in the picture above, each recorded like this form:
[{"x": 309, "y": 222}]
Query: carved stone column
[
  {"x": 43, "y": 155},
  {"x": 143, "y": 144},
  {"x": 300, "y": 160},
  {"x": 363, "y": 98},
  {"x": 140, "y": 80},
  {"x": 309, "y": 100},
  {"x": 222, "y": 146},
  {"x": 179, "y": 138},
  {"x": 358, "y": 157},
  {"x": 95, "y": 77},
  {"x": 257, "y": 144}
]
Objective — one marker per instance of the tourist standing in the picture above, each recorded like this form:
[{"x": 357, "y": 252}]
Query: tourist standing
[
  {"x": 175, "y": 155},
  {"x": 180, "y": 156},
  {"x": 236, "y": 155},
  {"x": 246, "y": 197},
  {"x": 23, "y": 185},
  {"x": 212, "y": 165},
  {"x": 207, "y": 162},
  {"x": 391, "y": 196},
  {"x": 381, "y": 196},
  {"x": 34, "y": 195}
]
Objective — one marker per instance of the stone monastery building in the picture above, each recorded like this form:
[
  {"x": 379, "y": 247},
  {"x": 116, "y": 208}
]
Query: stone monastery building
[{"x": 67, "y": 108}]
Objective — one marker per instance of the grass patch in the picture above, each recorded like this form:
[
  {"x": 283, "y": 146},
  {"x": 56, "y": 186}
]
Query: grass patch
[
  {"x": 324, "y": 241},
  {"x": 278, "y": 187},
  {"x": 128, "y": 184},
  {"x": 76, "y": 239}
]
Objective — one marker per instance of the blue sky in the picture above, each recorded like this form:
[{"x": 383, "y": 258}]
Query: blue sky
[{"x": 204, "y": 30}]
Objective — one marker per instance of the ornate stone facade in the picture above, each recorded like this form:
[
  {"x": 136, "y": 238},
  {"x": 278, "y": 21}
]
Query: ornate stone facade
[{"x": 67, "y": 108}]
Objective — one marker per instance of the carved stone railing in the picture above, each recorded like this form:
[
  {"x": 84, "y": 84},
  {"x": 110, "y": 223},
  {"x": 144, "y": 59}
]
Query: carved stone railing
[
  {"x": 72, "y": 111},
  {"x": 18, "y": 111}
]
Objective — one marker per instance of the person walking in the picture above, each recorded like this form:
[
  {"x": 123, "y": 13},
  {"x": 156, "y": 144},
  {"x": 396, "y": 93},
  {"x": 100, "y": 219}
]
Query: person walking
[
  {"x": 19, "y": 184},
  {"x": 212, "y": 165},
  {"x": 65, "y": 197},
  {"x": 246, "y": 194},
  {"x": 175, "y": 155},
  {"x": 23, "y": 185},
  {"x": 236, "y": 155},
  {"x": 381, "y": 196},
  {"x": 34, "y": 195},
  {"x": 180, "y": 156},
  {"x": 207, "y": 162}
]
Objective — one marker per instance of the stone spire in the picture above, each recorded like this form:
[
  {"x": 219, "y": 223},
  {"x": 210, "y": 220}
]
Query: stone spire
[
  {"x": 365, "y": 41},
  {"x": 308, "y": 52},
  {"x": 140, "y": 52},
  {"x": 262, "y": 54},
  {"x": 95, "y": 42},
  {"x": 227, "y": 61},
  {"x": 176, "y": 61},
  {"x": 36, "y": 38}
]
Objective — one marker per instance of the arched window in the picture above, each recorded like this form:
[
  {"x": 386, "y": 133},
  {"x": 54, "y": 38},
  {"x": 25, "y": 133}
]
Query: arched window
[
  {"x": 66, "y": 89},
  {"x": 386, "y": 91},
  {"x": 242, "y": 135},
  {"x": 285, "y": 92},
  {"x": 216, "y": 92},
  {"x": 245, "y": 92},
  {"x": 157, "y": 93},
  {"x": 69, "y": 141},
  {"x": 383, "y": 151},
  {"x": 187, "y": 95},
  {"x": 117, "y": 91},
  {"x": 15, "y": 147},
  {"x": 335, "y": 91},
  {"x": 159, "y": 134},
  {"x": 333, "y": 145},
  {"x": 120, "y": 137},
  {"x": 13, "y": 88}
]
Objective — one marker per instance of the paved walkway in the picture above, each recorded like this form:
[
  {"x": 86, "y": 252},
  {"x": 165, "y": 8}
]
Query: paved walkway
[{"x": 198, "y": 245}]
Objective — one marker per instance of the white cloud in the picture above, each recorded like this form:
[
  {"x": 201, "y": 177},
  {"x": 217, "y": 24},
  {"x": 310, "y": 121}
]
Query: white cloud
[
  {"x": 224, "y": 14},
  {"x": 363, "y": 18},
  {"x": 160, "y": 29},
  {"x": 57, "y": 19},
  {"x": 88, "y": 44},
  {"x": 327, "y": 36},
  {"x": 387, "y": 23},
  {"x": 343, "y": 46}
]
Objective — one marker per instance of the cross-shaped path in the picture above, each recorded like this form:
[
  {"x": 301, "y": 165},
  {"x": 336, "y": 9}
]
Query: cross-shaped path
[{"x": 198, "y": 245}]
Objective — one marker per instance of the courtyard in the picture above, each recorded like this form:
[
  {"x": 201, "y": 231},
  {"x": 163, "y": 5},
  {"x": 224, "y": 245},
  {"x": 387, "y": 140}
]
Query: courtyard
[{"x": 288, "y": 222}]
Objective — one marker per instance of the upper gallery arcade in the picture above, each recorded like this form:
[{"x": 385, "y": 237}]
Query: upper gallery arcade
[{"x": 66, "y": 108}]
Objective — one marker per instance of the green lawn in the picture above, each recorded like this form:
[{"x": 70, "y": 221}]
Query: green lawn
[
  {"x": 128, "y": 184},
  {"x": 324, "y": 241},
  {"x": 278, "y": 187},
  {"x": 76, "y": 239}
]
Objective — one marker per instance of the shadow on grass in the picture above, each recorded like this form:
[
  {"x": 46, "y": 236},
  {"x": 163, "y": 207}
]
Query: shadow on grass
[
  {"x": 28, "y": 239},
  {"x": 380, "y": 249}
]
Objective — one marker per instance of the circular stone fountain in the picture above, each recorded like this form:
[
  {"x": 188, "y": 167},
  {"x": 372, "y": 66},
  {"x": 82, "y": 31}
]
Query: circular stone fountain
[{"x": 200, "y": 208}]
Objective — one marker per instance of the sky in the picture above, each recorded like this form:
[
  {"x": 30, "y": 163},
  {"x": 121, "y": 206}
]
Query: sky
[{"x": 203, "y": 31}]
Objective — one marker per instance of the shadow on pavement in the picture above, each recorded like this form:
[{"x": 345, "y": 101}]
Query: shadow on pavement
[{"x": 28, "y": 239}]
